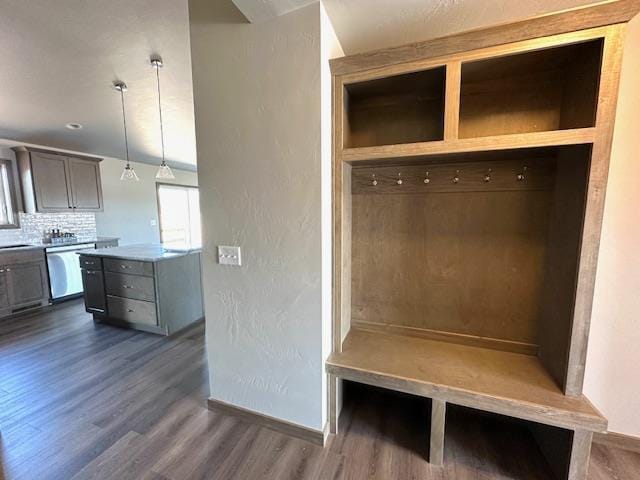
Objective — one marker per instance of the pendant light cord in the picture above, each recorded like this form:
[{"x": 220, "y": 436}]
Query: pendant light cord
[
  {"x": 124, "y": 121},
  {"x": 160, "y": 111}
]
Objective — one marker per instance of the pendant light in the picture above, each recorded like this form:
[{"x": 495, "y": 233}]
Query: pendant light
[
  {"x": 164, "y": 171},
  {"x": 128, "y": 173}
]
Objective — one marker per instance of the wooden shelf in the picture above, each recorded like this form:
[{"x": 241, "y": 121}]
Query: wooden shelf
[
  {"x": 408, "y": 151},
  {"x": 506, "y": 383}
]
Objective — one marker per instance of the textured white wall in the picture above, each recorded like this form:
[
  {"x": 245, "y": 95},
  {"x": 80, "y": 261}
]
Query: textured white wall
[
  {"x": 257, "y": 91},
  {"x": 129, "y": 207},
  {"x": 612, "y": 380}
]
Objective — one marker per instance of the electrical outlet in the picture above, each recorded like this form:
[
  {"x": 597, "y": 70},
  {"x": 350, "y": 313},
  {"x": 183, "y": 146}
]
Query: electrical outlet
[{"x": 229, "y": 255}]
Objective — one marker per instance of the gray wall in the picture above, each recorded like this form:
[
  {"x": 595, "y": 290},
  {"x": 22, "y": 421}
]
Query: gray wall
[{"x": 257, "y": 94}]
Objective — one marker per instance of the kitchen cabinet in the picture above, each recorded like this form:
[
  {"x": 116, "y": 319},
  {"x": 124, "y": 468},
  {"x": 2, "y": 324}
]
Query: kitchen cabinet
[
  {"x": 23, "y": 281},
  {"x": 56, "y": 182},
  {"x": 26, "y": 282},
  {"x": 94, "y": 298},
  {"x": 143, "y": 287}
]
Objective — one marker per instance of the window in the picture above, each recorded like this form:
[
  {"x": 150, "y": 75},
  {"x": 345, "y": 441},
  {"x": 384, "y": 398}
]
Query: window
[
  {"x": 8, "y": 204},
  {"x": 179, "y": 211}
]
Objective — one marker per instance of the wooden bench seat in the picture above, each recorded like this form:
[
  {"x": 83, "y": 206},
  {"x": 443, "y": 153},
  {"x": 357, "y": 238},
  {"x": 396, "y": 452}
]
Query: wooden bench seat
[{"x": 506, "y": 383}]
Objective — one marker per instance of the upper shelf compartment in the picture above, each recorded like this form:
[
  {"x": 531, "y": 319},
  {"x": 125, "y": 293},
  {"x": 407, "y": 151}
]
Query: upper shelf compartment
[
  {"x": 401, "y": 109},
  {"x": 545, "y": 90}
]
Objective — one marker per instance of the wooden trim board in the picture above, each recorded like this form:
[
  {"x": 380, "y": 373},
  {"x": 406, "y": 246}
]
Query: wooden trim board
[
  {"x": 409, "y": 151},
  {"x": 618, "y": 440},
  {"x": 281, "y": 426},
  {"x": 589, "y": 16},
  {"x": 594, "y": 211}
]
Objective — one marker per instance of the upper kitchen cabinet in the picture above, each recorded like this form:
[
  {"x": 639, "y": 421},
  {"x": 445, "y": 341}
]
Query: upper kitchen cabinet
[{"x": 56, "y": 182}]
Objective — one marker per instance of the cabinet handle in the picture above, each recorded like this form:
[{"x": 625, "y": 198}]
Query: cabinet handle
[
  {"x": 125, "y": 266},
  {"x": 127, "y": 286},
  {"x": 8, "y": 269},
  {"x": 130, "y": 310}
]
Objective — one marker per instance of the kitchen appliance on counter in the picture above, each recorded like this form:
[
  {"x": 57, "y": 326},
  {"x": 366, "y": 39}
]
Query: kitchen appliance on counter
[{"x": 65, "y": 276}]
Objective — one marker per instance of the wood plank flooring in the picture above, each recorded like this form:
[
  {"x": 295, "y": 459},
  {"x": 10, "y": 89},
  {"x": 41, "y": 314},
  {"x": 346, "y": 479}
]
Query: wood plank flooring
[{"x": 85, "y": 401}]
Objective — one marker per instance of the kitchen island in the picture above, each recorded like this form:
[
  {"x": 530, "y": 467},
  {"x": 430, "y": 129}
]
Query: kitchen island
[{"x": 147, "y": 287}]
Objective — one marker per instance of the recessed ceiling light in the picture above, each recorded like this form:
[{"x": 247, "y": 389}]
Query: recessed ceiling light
[{"x": 73, "y": 126}]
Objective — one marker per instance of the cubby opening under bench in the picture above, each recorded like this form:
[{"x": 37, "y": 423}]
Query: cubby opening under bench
[{"x": 469, "y": 180}]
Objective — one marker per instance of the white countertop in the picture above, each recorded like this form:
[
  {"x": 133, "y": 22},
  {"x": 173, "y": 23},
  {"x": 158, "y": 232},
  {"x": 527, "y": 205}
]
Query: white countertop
[{"x": 147, "y": 252}]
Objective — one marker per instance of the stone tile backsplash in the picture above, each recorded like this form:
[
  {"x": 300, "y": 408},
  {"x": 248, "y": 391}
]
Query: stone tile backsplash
[{"x": 33, "y": 226}]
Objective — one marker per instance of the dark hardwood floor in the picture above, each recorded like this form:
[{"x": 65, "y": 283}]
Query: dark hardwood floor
[{"x": 80, "y": 401}]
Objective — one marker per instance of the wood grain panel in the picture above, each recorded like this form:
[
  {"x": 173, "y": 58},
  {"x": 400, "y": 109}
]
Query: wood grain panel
[
  {"x": 561, "y": 269},
  {"x": 436, "y": 444},
  {"x": 463, "y": 175},
  {"x": 470, "y": 264},
  {"x": 566, "y": 21},
  {"x": 417, "y": 151},
  {"x": 401, "y": 109},
  {"x": 594, "y": 209},
  {"x": 526, "y": 92}
]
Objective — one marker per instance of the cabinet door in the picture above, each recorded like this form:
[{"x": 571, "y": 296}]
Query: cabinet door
[
  {"x": 86, "y": 188},
  {"x": 50, "y": 182},
  {"x": 94, "y": 296},
  {"x": 26, "y": 283},
  {"x": 4, "y": 297}
]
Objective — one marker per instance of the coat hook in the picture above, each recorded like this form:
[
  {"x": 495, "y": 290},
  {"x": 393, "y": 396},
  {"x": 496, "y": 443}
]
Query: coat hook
[
  {"x": 521, "y": 176},
  {"x": 399, "y": 181},
  {"x": 374, "y": 182},
  {"x": 487, "y": 176},
  {"x": 426, "y": 178},
  {"x": 456, "y": 179}
]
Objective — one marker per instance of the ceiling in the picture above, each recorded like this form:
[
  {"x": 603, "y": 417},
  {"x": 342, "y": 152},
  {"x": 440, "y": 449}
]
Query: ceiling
[
  {"x": 363, "y": 25},
  {"x": 261, "y": 10},
  {"x": 58, "y": 62}
]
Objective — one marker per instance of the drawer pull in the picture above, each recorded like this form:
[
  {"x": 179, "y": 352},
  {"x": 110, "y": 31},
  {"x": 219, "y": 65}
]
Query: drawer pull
[
  {"x": 127, "y": 286},
  {"x": 91, "y": 272},
  {"x": 125, "y": 266},
  {"x": 8, "y": 270},
  {"x": 130, "y": 310}
]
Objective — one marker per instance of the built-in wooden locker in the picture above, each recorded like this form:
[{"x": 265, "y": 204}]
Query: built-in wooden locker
[{"x": 469, "y": 179}]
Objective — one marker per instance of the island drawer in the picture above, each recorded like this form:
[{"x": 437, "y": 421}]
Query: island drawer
[
  {"x": 133, "y": 267},
  {"x": 130, "y": 286},
  {"x": 132, "y": 311},
  {"x": 90, "y": 263}
]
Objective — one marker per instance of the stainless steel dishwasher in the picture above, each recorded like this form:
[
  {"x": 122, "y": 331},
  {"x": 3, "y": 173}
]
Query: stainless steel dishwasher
[{"x": 65, "y": 277}]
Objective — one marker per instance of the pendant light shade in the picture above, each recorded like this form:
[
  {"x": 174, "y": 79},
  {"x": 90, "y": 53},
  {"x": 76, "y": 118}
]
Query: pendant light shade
[
  {"x": 128, "y": 173},
  {"x": 164, "y": 171}
]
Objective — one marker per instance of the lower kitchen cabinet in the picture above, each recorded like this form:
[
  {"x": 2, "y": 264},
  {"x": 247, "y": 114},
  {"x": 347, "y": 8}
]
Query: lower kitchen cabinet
[
  {"x": 23, "y": 281},
  {"x": 93, "y": 282},
  {"x": 145, "y": 288}
]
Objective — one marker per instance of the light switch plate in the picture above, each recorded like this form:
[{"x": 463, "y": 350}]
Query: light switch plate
[{"x": 229, "y": 255}]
